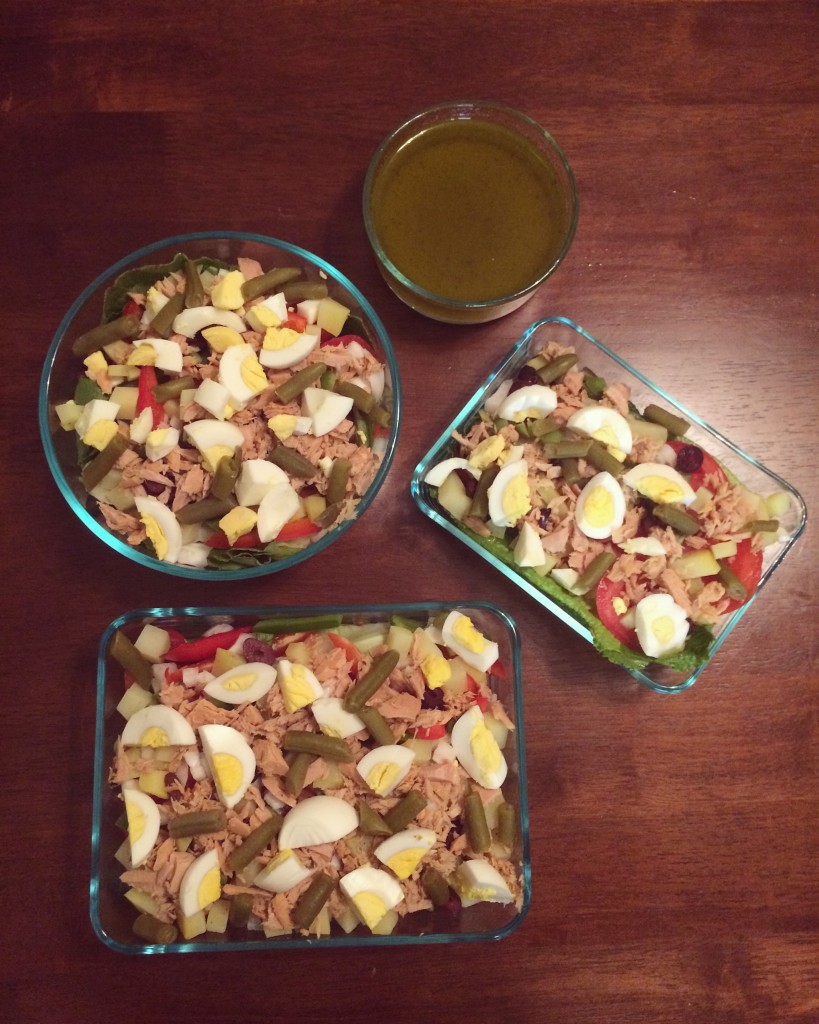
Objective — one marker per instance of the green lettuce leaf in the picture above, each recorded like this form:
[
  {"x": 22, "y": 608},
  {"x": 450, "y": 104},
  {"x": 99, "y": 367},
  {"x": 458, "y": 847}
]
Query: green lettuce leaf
[{"x": 140, "y": 279}]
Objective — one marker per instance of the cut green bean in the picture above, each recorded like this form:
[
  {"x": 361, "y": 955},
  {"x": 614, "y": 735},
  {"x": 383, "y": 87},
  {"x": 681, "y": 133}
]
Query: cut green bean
[
  {"x": 568, "y": 449},
  {"x": 406, "y": 623},
  {"x": 555, "y": 369},
  {"x": 326, "y": 518},
  {"x": 240, "y": 907},
  {"x": 105, "y": 334},
  {"x": 201, "y": 511},
  {"x": 595, "y": 386},
  {"x": 407, "y": 808},
  {"x": 594, "y": 571},
  {"x": 679, "y": 521},
  {"x": 370, "y": 821},
  {"x": 226, "y": 475},
  {"x": 337, "y": 481},
  {"x": 571, "y": 471},
  {"x": 542, "y": 426},
  {"x": 734, "y": 587},
  {"x": 173, "y": 388},
  {"x": 100, "y": 466},
  {"x": 376, "y": 724},
  {"x": 132, "y": 660},
  {"x": 333, "y": 748},
  {"x": 197, "y": 823},
  {"x": 194, "y": 291},
  {"x": 285, "y": 625},
  {"x": 381, "y": 416},
  {"x": 313, "y": 900},
  {"x": 292, "y": 462},
  {"x": 761, "y": 526},
  {"x": 154, "y": 931},
  {"x": 601, "y": 458},
  {"x": 362, "y": 399},
  {"x": 480, "y": 499},
  {"x": 298, "y": 291},
  {"x": 673, "y": 424},
  {"x": 369, "y": 684},
  {"x": 255, "y": 842},
  {"x": 273, "y": 279},
  {"x": 363, "y": 431},
  {"x": 163, "y": 321},
  {"x": 477, "y": 829},
  {"x": 505, "y": 831},
  {"x": 435, "y": 886},
  {"x": 300, "y": 381},
  {"x": 328, "y": 380},
  {"x": 297, "y": 772}
]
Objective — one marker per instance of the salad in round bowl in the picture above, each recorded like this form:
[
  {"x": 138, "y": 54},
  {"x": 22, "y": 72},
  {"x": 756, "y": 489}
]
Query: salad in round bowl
[{"x": 220, "y": 405}]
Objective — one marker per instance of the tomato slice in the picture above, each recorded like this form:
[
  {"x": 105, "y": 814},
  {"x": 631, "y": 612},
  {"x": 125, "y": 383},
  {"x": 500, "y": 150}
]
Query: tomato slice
[
  {"x": 297, "y": 528},
  {"x": 480, "y": 698},
  {"x": 747, "y": 564},
  {"x": 296, "y": 322},
  {"x": 607, "y": 591},
  {"x": 709, "y": 468},
  {"x": 351, "y": 652},
  {"x": 247, "y": 540},
  {"x": 345, "y": 339}
]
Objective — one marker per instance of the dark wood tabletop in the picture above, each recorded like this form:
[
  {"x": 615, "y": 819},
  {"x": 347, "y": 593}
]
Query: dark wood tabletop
[{"x": 675, "y": 839}]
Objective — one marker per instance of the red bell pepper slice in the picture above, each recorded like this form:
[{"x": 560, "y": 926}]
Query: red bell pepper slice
[
  {"x": 480, "y": 698},
  {"x": 145, "y": 394},
  {"x": 297, "y": 528},
  {"x": 429, "y": 732},
  {"x": 296, "y": 322},
  {"x": 205, "y": 647},
  {"x": 345, "y": 339}
]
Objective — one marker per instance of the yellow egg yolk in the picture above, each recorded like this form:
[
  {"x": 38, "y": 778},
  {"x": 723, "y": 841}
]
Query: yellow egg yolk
[
  {"x": 370, "y": 907},
  {"x": 156, "y": 536},
  {"x": 237, "y": 523},
  {"x": 382, "y": 776},
  {"x": 659, "y": 489},
  {"x": 228, "y": 772},
  {"x": 467, "y": 636},
  {"x": 476, "y": 893},
  {"x": 485, "y": 750},
  {"x": 214, "y": 455},
  {"x": 96, "y": 363},
  {"x": 436, "y": 670},
  {"x": 240, "y": 682},
  {"x": 155, "y": 737},
  {"x": 282, "y": 425},
  {"x": 296, "y": 689},
  {"x": 143, "y": 355},
  {"x": 210, "y": 888},
  {"x": 515, "y": 502},
  {"x": 663, "y": 628},
  {"x": 280, "y": 858},
  {"x": 277, "y": 338},
  {"x": 99, "y": 434},
  {"x": 487, "y": 451},
  {"x": 221, "y": 338},
  {"x": 404, "y": 863},
  {"x": 227, "y": 292},
  {"x": 598, "y": 508},
  {"x": 253, "y": 375},
  {"x": 136, "y": 821},
  {"x": 265, "y": 316}
]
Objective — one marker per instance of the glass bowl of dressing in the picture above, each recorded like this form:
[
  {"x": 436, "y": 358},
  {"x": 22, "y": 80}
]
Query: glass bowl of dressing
[{"x": 469, "y": 207}]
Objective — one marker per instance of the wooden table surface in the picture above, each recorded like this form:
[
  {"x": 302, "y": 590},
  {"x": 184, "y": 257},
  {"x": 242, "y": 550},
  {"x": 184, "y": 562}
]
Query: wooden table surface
[{"x": 675, "y": 840}]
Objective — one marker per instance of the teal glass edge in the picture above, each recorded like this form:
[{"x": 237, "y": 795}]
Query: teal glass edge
[
  {"x": 185, "y": 571},
  {"x": 249, "y": 613},
  {"x": 511, "y": 362}
]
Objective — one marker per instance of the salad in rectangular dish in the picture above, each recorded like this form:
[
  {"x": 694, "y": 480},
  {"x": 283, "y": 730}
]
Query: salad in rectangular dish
[
  {"x": 275, "y": 778},
  {"x": 623, "y": 513}
]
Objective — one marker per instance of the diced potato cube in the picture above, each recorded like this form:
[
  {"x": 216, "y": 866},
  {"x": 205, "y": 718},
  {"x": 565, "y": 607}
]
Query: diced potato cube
[
  {"x": 321, "y": 923},
  {"x": 778, "y": 504},
  {"x": 724, "y": 549},
  {"x": 298, "y": 652},
  {"x": 453, "y": 497},
  {"x": 190, "y": 927},
  {"x": 68, "y": 413},
  {"x": 134, "y": 699},
  {"x": 153, "y": 782},
  {"x": 224, "y": 660},
  {"x": 331, "y": 316},
  {"x": 387, "y": 924},
  {"x": 696, "y": 564},
  {"x": 118, "y": 351},
  {"x": 142, "y": 901},
  {"x": 123, "y": 854},
  {"x": 400, "y": 639},
  {"x": 126, "y": 397},
  {"x": 153, "y": 642},
  {"x": 314, "y": 506},
  {"x": 346, "y": 919},
  {"x": 216, "y": 917},
  {"x": 421, "y": 749},
  {"x": 332, "y": 779},
  {"x": 497, "y": 728}
]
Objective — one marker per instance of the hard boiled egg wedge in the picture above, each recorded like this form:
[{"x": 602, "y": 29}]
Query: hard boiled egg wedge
[
  {"x": 372, "y": 893},
  {"x": 190, "y": 321},
  {"x": 241, "y": 373},
  {"x": 157, "y": 726},
  {"x": 404, "y": 851},
  {"x": 283, "y": 347},
  {"x": 256, "y": 478},
  {"x": 317, "y": 820},
  {"x": 384, "y": 767},
  {"x": 528, "y": 550},
  {"x": 279, "y": 505},
  {"x": 659, "y": 483},
  {"x": 326, "y": 409},
  {"x": 601, "y": 507},
  {"x": 161, "y": 442},
  {"x": 477, "y": 881},
  {"x": 243, "y": 684},
  {"x": 230, "y": 759},
  {"x": 214, "y": 440},
  {"x": 168, "y": 354},
  {"x": 605, "y": 425},
  {"x": 282, "y": 873},
  {"x": 333, "y": 720},
  {"x": 143, "y": 823},
  {"x": 508, "y": 495},
  {"x": 436, "y": 476},
  {"x": 535, "y": 401},
  {"x": 477, "y": 750},
  {"x": 201, "y": 884},
  {"x": 661, "y": 624},
  {"x": 461, "y": 637},
  {"x": 298, "y": 684},
  {"x": 161, "y": 526}
]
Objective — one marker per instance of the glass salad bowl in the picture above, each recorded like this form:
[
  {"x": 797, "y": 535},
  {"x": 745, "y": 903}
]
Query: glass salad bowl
[
  {"x": 590, "y": 521},
  {"x": 219, "y": 405},
  {"x": 147, "y": 790}
]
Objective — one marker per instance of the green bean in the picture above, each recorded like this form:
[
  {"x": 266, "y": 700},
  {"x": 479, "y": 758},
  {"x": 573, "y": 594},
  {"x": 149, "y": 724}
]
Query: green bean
[
  {"x": 480, "y": 499},
  {"x": 297, "y": 772},
  {"x": 505, "y": 830},
  {"x": 163, "y": 321},
  {"x": 371, "y": 681},
  {"x": 240, "y": 907},
  {"x": 523, "y": 428},
  {"x": 114, "y": 330},
  {"x": 337, "y": 481},
  {"x": 257, "y": 286},
  {"x": 313, "y": 900},
  {"x": 435, "y": 886},
  {"x": 407, "y": 808},
  {"x": 292, "y": 462},
  {"x": 362, "y": 399},
  {"x": 571, "y": 471},
  {"x": 381, "y": 416},
  {"x": 132, "y": 660},
  {"x": 556, "y": 368},
  {"x": 194, "y": 292},
  {"x": 173, "y": 388},
  {"x": 363, "y": 431},
  {"x": 552, "y": 437},
  {"x": 376, "y": 724},
  {"x": 326, "y": 518},
  {"x": 734, "y": 587},
  {"x": 197, "y": 823},
  {"x": 370, "y": 821},
  {"x": 595, "y": 386},
  {"x": 761, "y": 526},
  {"x": 156, "y": 932},
  {"x": 544, "y": 425},
  {"x": 574, "y": 449},
  {"x": 255, "y": 842},
  {"x": 594, "y": 571},
  {"x": 477, "y": 830},
  {"x": 299, "y": 382},
  {"x": 601, "y": 458},
  {"x": 406, "y": 623},
  {"x": 673, "y": 424},
  {"x": 679, "y": 521},
  {"x": 328, "y": 379},
  {"x": 101, "y": 465},
  {"x": 333, "y": 748},
  {"x": 298, "y": 291},
  {"x": 226, "y": 475},
  {"x": 279, "y": 626},
  {"x": 201, "y": 511}
]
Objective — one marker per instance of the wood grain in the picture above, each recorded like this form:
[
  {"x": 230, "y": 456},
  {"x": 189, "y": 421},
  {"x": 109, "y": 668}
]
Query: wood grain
[{"x": 674, "y": 839}]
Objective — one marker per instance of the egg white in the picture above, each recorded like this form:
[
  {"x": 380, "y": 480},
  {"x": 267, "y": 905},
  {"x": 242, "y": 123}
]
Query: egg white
[
  {"x": 604, "y": 424},
  {"x": 333, "y": 720},
  {"x": 279, "y": 505},
  {"x": 660, "y": 483},
  {"x": 190, "y": 321},
  {"x": 477, "y": 881},
  {"x": 521, "y": 404},
  {"x": 371, "y": 893},
  {"x": 661, "y": 625},
  {"x": 157, "y": 726},
  {"x": 385, "y": 767},
  {"x": 403, "y": 852},
  {"x": 436, "y": 476},
  {"x": 256, "y": 478},
  {"x": 477, "y": 750},
  {"x": 602, "y": 495},
  {"x": 462, "y": 638},
  {"x": 143, "y": 823},
  {"x": 316, "y": 820},
  {"x": 201, "y": 884},
  {"x": 230, "y": 759},
  {"x": 503, "y": 510},
  {"x": 284, "y": 872},
  {"x": 242, "y": 684},
  {"x": 298, "y": 684},
  {"x": 283, "y": 358},
  {"x": 230, "y": 373},
  {"x": 326, "y": 409},
  {"x": 158, "y": 517}
]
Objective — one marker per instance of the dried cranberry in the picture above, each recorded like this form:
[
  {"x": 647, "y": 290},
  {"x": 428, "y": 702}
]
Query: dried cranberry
[
  {"x": 452, "y": 906},
  {"x": 469, "y": 481},
  {"x": 527, "y": 375},
  {"x": 154, "y": 488},
  {"x": 689, "y": 458},
  {"x": 433, "y": 699}
]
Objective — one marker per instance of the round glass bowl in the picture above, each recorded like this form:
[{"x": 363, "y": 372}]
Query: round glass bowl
[
  {"x": 469, "y": 207},
  {"x": 103, "y": 301}
]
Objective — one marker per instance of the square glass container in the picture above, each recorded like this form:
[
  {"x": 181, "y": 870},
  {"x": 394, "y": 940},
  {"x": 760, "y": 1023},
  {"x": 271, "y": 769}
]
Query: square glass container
[
  {"x": 112, "y": 916},
  {"x": 604, "y": 362}
]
